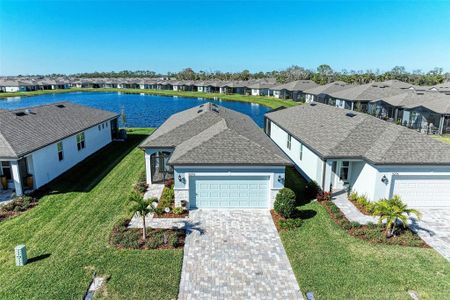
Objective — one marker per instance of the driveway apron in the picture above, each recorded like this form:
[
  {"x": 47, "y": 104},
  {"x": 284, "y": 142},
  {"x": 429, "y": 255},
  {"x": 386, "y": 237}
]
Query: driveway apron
[{"x": 235, "y": 254}]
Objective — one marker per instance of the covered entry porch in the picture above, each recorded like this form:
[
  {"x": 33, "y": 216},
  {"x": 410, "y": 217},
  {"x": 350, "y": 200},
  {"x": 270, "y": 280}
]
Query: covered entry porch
[
  {"x": 157, "y": 169},
  {"x": 15, "y": 177}
]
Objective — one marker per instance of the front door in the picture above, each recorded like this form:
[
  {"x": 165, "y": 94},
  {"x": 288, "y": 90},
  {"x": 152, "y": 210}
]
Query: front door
[{"x": 341, "y": 171}]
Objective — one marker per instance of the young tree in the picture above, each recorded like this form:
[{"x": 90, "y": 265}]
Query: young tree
[
  {"x": 141, "y": 207},
  {"x": 393, "y": 211}
]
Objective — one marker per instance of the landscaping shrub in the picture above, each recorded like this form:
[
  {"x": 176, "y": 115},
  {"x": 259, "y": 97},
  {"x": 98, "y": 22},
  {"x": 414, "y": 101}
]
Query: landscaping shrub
[
  {"x": 159, "y": 211},
  {"x": 323, "y": 196},
  {"x": 178, "y": 210},
  {"x": 285, "y": 203},
  {"x": 169, "y": 183},
  {"x": 141, "y": 185},
  {"x": 19, "y": 204},
  {"x": 355, "y": 224},
  {"x": 312, "y": 189},
  {"x": 167, "y": 198},
  {"x": 290, "y": 223}
]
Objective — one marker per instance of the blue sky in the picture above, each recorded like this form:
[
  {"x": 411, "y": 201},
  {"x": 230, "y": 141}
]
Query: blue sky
[{"x": 84, "y": 36}]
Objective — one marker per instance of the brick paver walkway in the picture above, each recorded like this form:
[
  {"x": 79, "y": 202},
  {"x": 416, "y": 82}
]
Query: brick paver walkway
[
  {"x": 350, "y": 211},
  {"x": 235, "y": 254}
]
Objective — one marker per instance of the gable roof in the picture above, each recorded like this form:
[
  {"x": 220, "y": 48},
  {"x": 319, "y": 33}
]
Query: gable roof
[
  {"x": 210, "y": 134},
  {"x": 298, "y": 85},
  {"x": 434, "y": 101},
  {"x": 328, "y": 88},
  {"x": 331, "y": 133},
  {"x": 367, "y": 92},
  {"x": 25, "y": 130}
]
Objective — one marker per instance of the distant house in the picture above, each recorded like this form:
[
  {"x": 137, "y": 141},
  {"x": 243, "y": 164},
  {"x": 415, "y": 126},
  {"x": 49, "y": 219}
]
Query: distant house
[
  {"x": 218, "y": 158},
  {"x": 293, "y": 90},
  {"x": 428, "y": 112},
  {"x": 261, "y": 89},
  {"x": 322, "y": 93},
  {"x": 341, "y": 149},
  {"x": 38, "y": 144}
]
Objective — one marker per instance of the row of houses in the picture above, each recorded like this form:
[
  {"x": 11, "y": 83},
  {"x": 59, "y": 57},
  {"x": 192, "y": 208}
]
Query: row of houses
[{"x": 423, "y": 108}]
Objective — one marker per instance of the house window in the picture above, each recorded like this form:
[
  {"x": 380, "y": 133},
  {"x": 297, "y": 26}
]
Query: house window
[
  {"x": 103, "y": 126},
  {"x": 301, "y": 152},
  {"x": 289, "y": 141},
  {"x": 99, "y": 127},
  {"x": 59, "y": 146},
  {"x": 106, "y": 124},
  {"x": 343, "y": 174},
  {"x": 80, "y": 141}
]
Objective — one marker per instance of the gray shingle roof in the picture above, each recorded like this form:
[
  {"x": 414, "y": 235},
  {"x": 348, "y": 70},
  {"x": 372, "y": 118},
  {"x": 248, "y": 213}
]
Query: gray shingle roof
[
  {"x": 367, "y": 92},
  {"x": 330, "y": 133},
  {"x": 44, "y": 125},
  {"x": 213, "y": 135},
  {"x": 435, "y": 101},
  {"x": 328, "y": 88},
  {"x": 298, "y": 85}
]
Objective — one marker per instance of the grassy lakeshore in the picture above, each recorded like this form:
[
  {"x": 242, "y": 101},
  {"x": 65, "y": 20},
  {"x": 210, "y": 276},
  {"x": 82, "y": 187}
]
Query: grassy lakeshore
[
  {"x": 67, "y": 236},
  {"x": 266, "y": 101},
  {"x": 443, "y": 138}
]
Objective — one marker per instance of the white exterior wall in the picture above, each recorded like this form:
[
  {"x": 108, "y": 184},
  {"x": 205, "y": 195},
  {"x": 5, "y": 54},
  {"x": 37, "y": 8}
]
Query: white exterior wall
[
  {"x": 363, "y": 177},
  {"x": 311, "y": 166},
  {"x": 11, "y": 88},
  {"x": 45, "y": 164}
]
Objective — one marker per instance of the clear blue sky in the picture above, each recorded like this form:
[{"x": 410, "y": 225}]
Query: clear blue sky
[{"x": 84, "y": 36}]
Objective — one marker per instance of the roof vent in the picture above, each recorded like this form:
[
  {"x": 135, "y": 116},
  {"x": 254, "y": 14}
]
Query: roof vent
[
  {"x": 199, "y": 111},
  {"x": 60, "y": 105},
  {"x": 215, "y": 105},
  {"x": 350, "y": 114},
  {"x": 215, "y": 110},
  {"x": 20, "y": 113},
  {"x": 201, "y": 105},
  {"x": 313, "y": 104}
]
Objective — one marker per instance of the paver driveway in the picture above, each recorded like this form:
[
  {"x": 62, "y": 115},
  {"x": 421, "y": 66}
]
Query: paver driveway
[
  {"x": 235, "y": 254},
  {"x": 434, "y": 228}
]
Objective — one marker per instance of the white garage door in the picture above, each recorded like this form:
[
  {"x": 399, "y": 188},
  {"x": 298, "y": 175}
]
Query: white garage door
[
  {"x": 423, "y": 191},
  {"x": 229, "y": 191}
]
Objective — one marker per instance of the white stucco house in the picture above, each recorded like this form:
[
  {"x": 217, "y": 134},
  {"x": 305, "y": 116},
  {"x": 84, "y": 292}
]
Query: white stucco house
[
  {"x": 39, "y": 143},
  {"x": 341, "y": 149},
  {"x": 218, "y": 158}
]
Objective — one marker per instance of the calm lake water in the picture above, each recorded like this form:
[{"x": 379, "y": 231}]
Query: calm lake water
[{"x": 141, "y": 110}]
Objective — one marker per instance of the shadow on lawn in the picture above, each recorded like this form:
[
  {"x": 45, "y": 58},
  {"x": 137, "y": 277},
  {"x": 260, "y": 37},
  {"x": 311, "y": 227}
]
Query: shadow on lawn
[
  {"x": 84, "y": 176},
  {"x": 38, "y": 258},
  {"x": 305, "y": 214}
]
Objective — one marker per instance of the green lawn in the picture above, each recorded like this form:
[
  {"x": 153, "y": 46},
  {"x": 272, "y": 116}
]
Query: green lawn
[
  {"x": 266, "y": 101},
  {"x": 443, "y": 138},
  {"x": 72, "y": 226},
  {"x": 334, "y": 265}
]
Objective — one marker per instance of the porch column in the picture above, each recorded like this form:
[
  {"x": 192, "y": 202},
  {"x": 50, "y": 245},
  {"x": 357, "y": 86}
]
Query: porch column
[
  {"x": 441, "y": 124},
  {"x": 148, "y": 170},
  {"x": 16, "y": 177}
]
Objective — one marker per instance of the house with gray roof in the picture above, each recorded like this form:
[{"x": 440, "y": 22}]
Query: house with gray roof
[
  {"x": 217, "y": 157},
  {"x": 427, "y": 112},
  {"x": 342, "y": 149},
  {"x": 37, "y": 144},
  {"x": 293, "y": 90},
  {"x": 321, "y": 93}
]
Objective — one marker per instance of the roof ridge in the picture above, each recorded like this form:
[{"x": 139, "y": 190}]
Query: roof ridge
[{"x": 198, "y": 140}]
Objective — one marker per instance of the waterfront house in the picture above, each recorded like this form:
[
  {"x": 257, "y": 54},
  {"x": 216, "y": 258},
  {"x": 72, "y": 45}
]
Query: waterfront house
[
  {"x": 217, "y": 157},
  {"x": 293, "y": 90},
  {"x": 37, "y": 144},
  {"x": 342, "y": 149}
]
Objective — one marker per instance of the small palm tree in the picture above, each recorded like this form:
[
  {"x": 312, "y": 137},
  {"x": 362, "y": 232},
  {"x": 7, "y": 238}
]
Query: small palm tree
[
  {"x": 141, "y": 207},
  {"x": 393, "y": 210}
]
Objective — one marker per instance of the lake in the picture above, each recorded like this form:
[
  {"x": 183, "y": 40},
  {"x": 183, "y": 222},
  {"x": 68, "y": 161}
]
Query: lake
[{"x": 141, "y": 110}]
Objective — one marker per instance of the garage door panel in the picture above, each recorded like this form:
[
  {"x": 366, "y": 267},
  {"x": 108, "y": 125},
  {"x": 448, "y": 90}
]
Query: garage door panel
[
  {"x": 423, "y": 191},
  {"x": 229, "y": 192}
]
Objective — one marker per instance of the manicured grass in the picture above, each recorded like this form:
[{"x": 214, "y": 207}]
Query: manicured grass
[
  {"x": 266, "y": 101},
  {"x": 443, "y": 138},
  {"x": 68, "y": 234},
  {"x": 334, "y": 265}
]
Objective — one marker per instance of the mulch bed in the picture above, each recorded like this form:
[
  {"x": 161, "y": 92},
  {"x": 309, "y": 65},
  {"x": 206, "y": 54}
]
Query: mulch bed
[
  {"x": 157, "y": 239},
  {"x": 6, "y": 213},
  {"x": 171, "y": 215},
  {"x": 360, "y": 207},
  {"x": 374, "y": 233},
  {"x": 276, "y": 218}
]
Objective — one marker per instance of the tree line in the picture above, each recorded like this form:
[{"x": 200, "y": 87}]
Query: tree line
[{"x": 322, "y": 74}]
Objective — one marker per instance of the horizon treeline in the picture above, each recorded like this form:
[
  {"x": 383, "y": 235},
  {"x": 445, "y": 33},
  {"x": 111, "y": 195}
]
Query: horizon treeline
[{"x": 322, "y": 75}]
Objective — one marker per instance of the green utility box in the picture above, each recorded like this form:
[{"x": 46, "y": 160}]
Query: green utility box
[{"x": 21, "y": 255}]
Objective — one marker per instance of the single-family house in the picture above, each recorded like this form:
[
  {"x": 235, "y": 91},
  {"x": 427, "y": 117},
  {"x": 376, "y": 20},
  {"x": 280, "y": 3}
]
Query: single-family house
[
  {"x": 261, "y": 88},
  {"x": 217, "y": 157},
  {"x": 37, "y": 144},
  {"x": 343, "y": 149},
  {"x": 322, "y": 93},
  {"x": 293, "y": 90}
]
